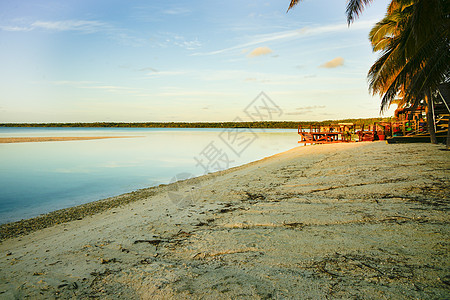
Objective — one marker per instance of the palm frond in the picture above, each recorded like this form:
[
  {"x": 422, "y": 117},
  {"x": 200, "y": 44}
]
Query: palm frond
[
  {"x": 387, "y": 67},
  {"x": 293, "y": 3},
  {"x": 355, "y": 8},
  {"x": 413, "y": 39},
  {"x": 435, "y": 67}
]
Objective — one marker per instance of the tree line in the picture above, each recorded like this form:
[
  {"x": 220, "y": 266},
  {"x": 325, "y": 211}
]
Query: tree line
[{"x": 262, "y": 124}]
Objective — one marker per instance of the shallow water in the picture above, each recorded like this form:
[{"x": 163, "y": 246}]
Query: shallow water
[{"x": 36, "y": 178}]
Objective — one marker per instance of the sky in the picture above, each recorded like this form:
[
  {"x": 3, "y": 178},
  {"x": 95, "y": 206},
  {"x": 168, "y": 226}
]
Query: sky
[{"x": 198, "y": 60}]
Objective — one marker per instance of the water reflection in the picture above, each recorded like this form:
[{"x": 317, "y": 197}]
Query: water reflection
[{"x": 40, "y": 177}]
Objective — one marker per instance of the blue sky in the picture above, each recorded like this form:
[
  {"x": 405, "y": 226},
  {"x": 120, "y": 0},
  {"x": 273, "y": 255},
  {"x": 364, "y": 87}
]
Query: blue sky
[{"x": 130, "y": 61}]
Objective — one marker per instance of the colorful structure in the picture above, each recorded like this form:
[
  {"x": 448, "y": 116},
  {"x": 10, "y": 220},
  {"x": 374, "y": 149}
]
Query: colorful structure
[
  {"x": 408, "y": 126},
  {"x": 319, "y": 134},
  {"x": 410, "y": 123}
]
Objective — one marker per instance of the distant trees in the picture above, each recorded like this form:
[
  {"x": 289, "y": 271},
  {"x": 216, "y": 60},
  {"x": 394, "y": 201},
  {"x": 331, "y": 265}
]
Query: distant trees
[{"x": 264, "y": 124}]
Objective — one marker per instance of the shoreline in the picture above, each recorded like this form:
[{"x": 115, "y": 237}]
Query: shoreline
[
  {"x": 359, "y": 220},
  {"x": 8, "y": 140},
  {"x": 26, "y": 226}
]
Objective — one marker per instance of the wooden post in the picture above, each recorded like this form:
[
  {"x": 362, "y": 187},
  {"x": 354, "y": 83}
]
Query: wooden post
[
  {"x": 430, "y": 119},
  {"x": 448, "y": 134}
]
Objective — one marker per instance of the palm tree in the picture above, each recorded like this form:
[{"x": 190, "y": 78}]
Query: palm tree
[
  {"x": 354, "y": 8},
  {"x": 414, "y": 41}
]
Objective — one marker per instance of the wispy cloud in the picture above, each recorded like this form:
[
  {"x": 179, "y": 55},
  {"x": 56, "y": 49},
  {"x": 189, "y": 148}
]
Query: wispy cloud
[
  {"x": 294, "y": 34},
  {"x": 196, "y": 93},
  {"x": 260, "y": 51},
  {"x": 75, "y": 25},
  {"x": 114, "y": 89},
  {"x": 15, "y": 28},
  {"x": 334, "y": 63},
  {"x": 310, "y": 107},
  {"x": 93, "y": 85},
  {"x": 167, "y": 39},
  {"x": 305, "y": 110},
  {"x": 83, "y": 26},
  {"x": 256, "y": 80},
  {"x": 182, "y": 42},
  {"x": 148, "y": 69},
  {"x": 165, "y": 73},
  {"x": 177, "y": 11},
  {"x": 66, "y": 25}
]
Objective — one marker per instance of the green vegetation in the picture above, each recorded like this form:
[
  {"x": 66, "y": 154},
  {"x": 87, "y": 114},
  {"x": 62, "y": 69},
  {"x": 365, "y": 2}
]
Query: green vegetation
[
  {"x": 264, "y": 124},
  {"x": 413, "y": 43},
  {"x": 413, "y": 40}
]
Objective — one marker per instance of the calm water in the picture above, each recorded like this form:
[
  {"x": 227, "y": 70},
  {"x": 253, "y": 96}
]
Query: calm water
[{"x": 36, "y": 178}]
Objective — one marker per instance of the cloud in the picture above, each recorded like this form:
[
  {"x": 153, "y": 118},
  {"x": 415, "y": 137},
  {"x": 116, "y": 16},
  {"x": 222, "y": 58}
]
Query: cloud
[
  {"x": 297, "y": 113},
  {"x": 72, "y": 83},
  {"x": 84, "y": 26},
  {"x": 75, "y": 25},
  {"x": 256, "y": 80},
  {"x": 187, "y": 44},
  {"x": 260, "y": 51},
  {"x": 94, "y": 85},
  {"x": 295, "y": 34},
  {"x": 165, "y": 73},
  {"x": 66, "y": 25},
  {"x": 15, "y": 28},
  {"x": 310, "y": 107},
  {"x": 148, "y": 69},
  {"x": 177, "y": 11},
  {"x": 305, "y": 110},
  {"x": 166, "y": 39},
  {"x": 196, "y": 93},
  {"x": 334, "y": 63}
]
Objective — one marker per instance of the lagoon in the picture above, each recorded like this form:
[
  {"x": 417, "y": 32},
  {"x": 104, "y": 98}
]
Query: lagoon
[{"x": 40, "y": 177}]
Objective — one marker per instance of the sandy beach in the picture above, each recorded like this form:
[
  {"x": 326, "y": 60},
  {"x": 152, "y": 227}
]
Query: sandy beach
[
  {"x": 338, "y": 221},
  {"x": 4, "y": 140}
]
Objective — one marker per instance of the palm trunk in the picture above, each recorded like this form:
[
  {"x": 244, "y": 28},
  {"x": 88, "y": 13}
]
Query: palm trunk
[{"x": 430, "y": 119}]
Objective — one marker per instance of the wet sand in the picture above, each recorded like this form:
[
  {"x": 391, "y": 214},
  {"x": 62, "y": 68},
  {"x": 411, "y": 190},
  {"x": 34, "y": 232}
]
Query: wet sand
[
  {"x": 342, "y": 221},
  {"x": 4, "y": 140}
]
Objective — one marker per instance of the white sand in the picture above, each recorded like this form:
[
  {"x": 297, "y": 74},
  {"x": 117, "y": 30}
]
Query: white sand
[{"x": 361, "y": 220}]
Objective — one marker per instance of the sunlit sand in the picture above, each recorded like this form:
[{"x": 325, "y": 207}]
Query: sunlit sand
[{"x": 355, "y": 220}]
